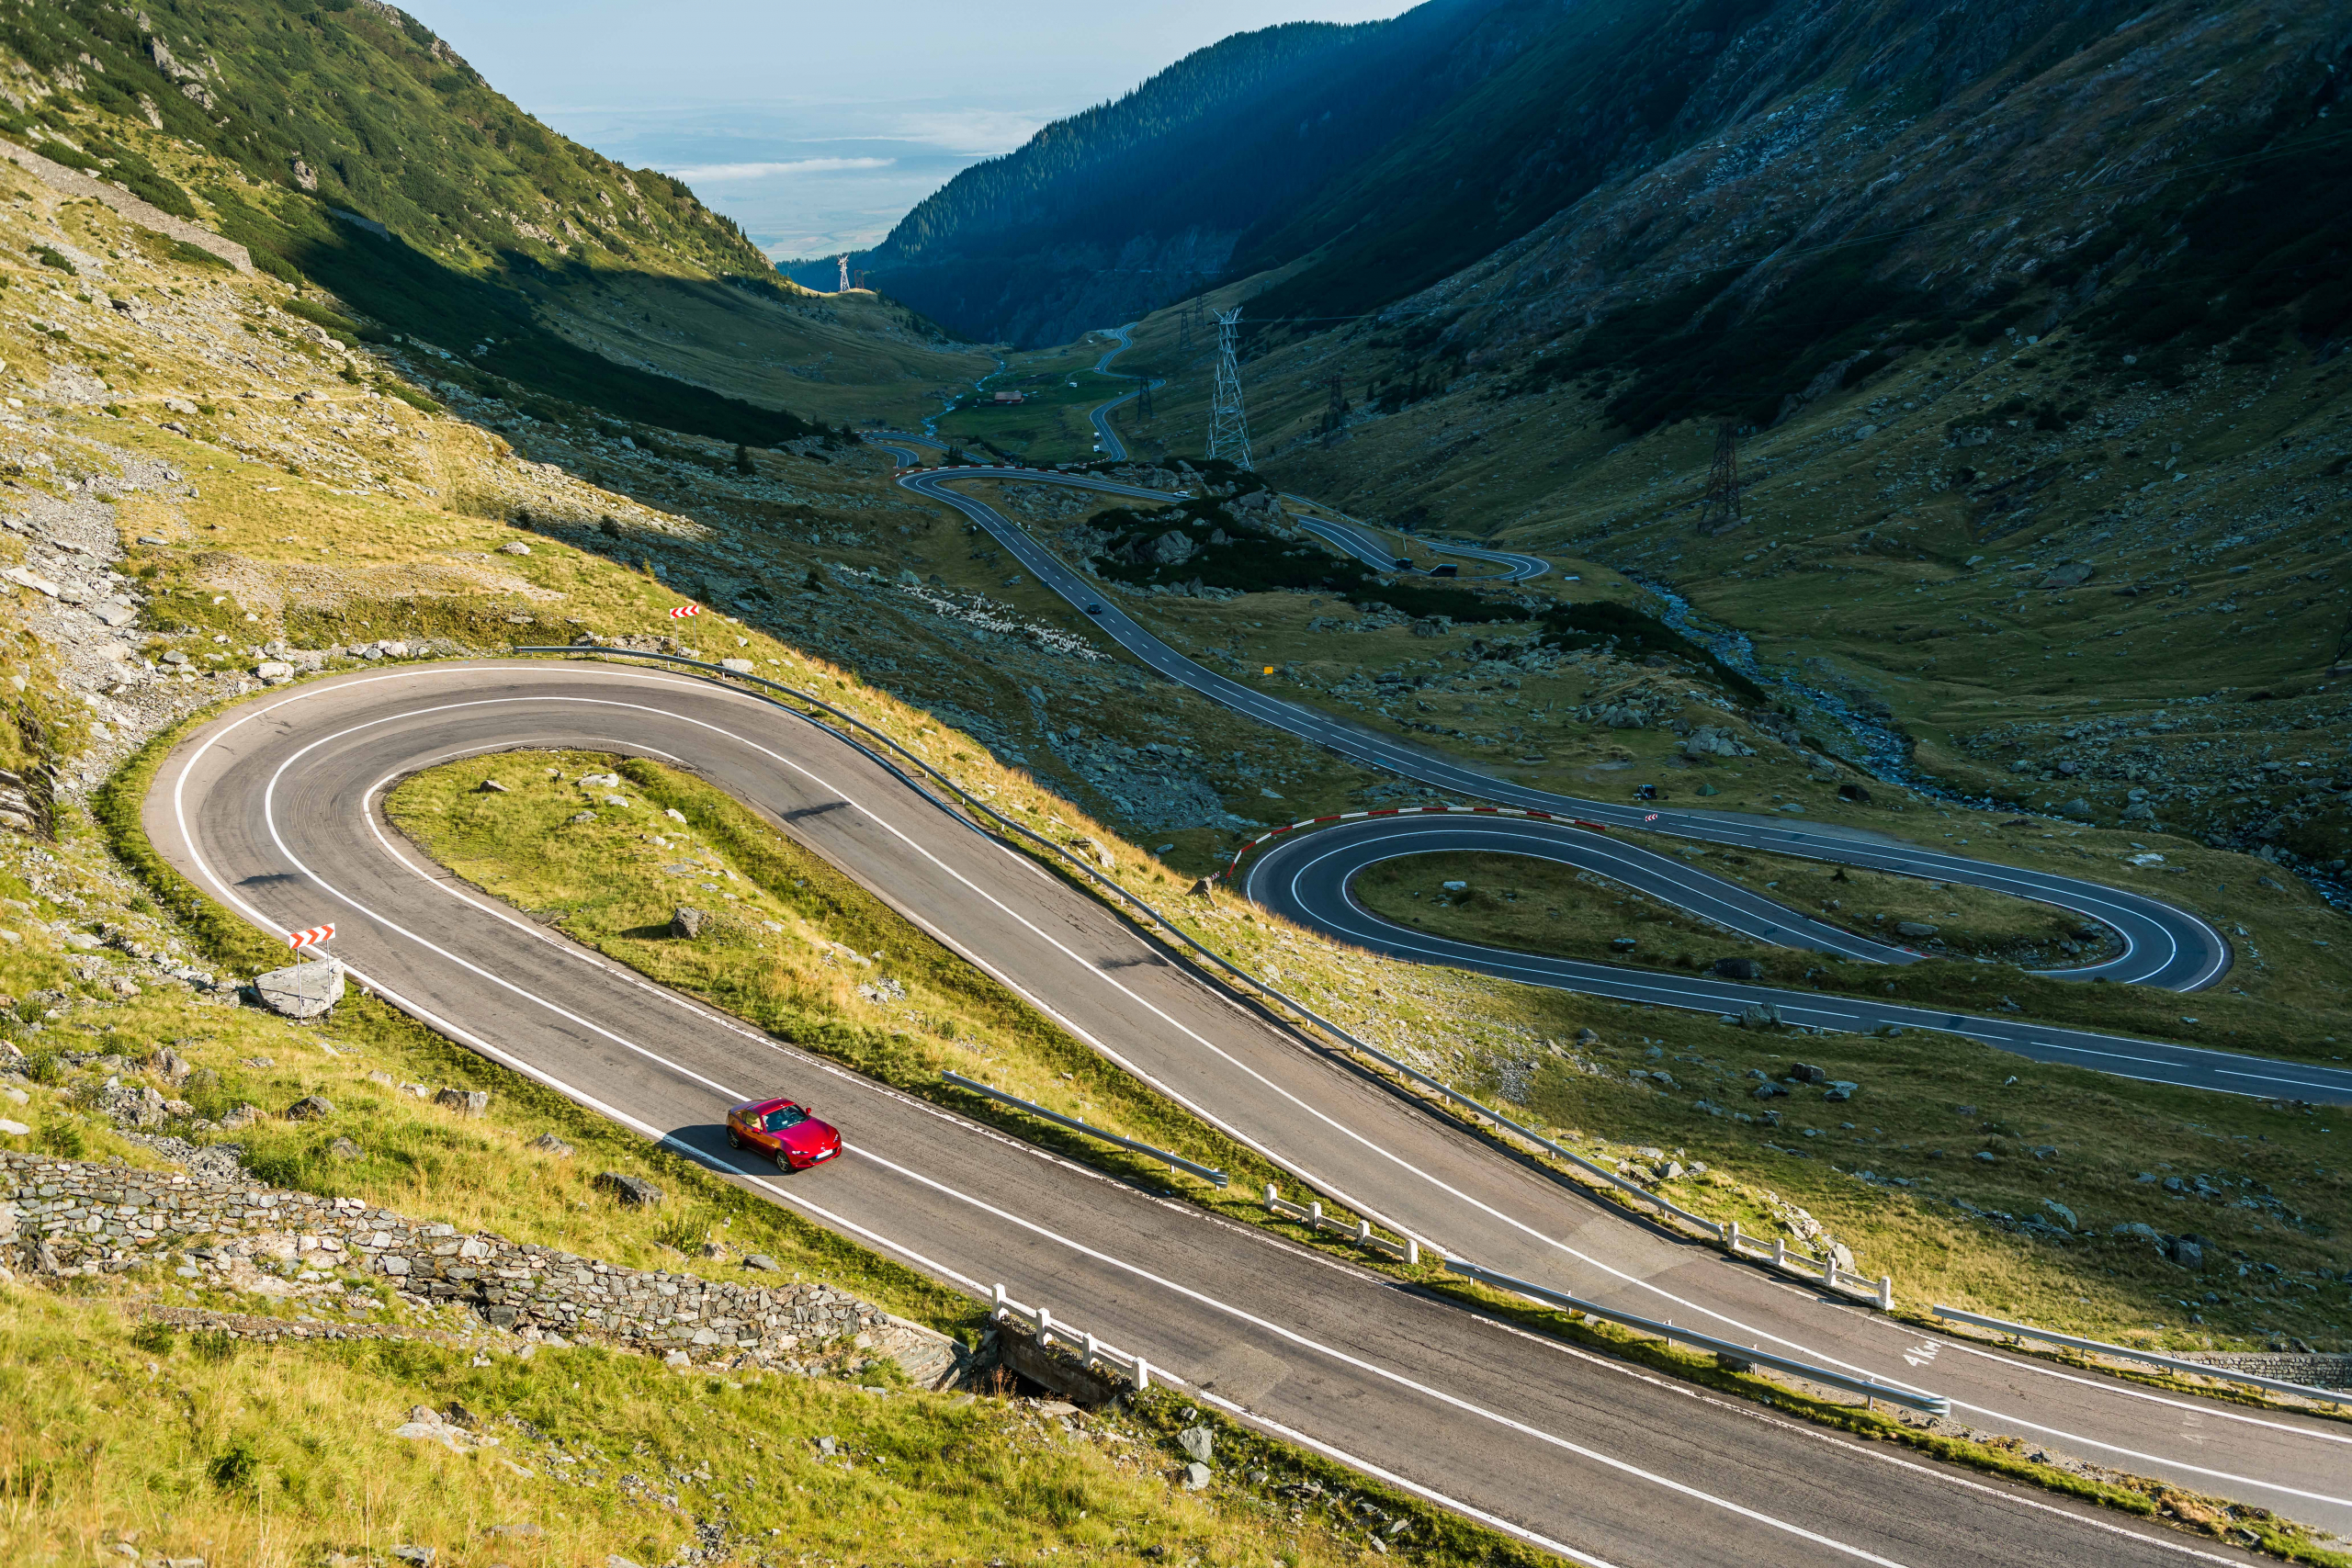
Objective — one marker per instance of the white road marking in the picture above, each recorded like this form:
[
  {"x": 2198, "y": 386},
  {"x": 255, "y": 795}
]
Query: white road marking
[
  {"x": 187, "y": 837},
  {"x": 909, "y": 1174}
]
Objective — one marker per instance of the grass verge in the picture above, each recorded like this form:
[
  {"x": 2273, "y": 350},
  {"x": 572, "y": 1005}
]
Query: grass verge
[
  {"x": 115, "y": 1430},
  {"x": 793, "y": 946}
]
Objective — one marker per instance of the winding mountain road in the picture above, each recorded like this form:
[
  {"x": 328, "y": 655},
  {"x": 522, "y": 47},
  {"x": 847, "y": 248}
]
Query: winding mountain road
[
  {"x": 275, "y": 808},
  {"x": 2161, "y": 945},
  {"x": 1107, "y": 439}
]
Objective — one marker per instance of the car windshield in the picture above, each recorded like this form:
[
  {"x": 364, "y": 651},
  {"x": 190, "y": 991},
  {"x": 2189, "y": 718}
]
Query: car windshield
[{"x": 785, "y": 1116}]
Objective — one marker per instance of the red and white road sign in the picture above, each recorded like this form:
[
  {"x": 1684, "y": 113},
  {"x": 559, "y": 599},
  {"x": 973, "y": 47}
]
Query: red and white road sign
[
  {"x": 317, "y": 936},
  {"x": 682, "y": 611}
]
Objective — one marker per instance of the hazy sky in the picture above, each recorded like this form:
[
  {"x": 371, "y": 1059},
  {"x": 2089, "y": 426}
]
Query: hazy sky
[{"x": 816, "y": 127}]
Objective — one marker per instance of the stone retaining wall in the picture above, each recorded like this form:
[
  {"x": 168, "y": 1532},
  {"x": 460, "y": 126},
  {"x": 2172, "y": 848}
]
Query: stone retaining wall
[
  {"x": 2317, "y": 1370},
  {"x": 66, "y": 1217}
]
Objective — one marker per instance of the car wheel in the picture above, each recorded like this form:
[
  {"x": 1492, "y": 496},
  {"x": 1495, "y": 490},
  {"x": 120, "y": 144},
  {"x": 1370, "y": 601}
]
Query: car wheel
[
  {"x": 784, "y": 1162},
  {"x": 734, "y": 1139}
]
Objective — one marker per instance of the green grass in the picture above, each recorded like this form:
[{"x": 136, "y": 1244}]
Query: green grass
[
  {"x": 782, "y": 951},
  {"x": 274, "y": 1456},
  {"x": 1538, "y": 906},
  {"x": 1051, "y": 424}
]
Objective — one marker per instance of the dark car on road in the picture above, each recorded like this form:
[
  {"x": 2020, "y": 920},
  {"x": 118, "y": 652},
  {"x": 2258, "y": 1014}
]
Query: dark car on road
[{"x": 784, "y": 1130}]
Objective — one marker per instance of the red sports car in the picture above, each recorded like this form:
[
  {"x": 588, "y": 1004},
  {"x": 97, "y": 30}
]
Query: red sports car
[{"x": 784, "y": 1129}]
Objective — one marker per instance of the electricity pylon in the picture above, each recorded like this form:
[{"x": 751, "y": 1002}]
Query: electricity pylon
[
  {"x": 1229, "y": 425},
  {"x": 844, "y": 260},
  {"x": 1719, "y": 508}
]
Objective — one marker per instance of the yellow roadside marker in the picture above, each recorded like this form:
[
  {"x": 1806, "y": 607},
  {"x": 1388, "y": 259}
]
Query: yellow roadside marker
[{"x": 1269, "y": 669}]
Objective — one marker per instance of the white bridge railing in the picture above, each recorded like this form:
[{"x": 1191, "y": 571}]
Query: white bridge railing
[
  {"x": 1822, "y": 1271},
  {"x": 1134, "y": 1370}
]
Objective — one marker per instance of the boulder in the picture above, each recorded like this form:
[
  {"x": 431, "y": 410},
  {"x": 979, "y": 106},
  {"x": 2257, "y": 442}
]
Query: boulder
[
  {"x": 1806, "y": 1073},
  {"x": 2074, "y": 574},
  {"x": 1196, "y": 1476},
  {"x": 1172, "y": 548},
  {"x": 302, "y": 990},
  {"x": 344, "y": 1149},
  {"x": 131, "y": 1105},
  {"x": 169, "y": 1065},
  {"x": 1914, "y": 928},
  {"x": 2078, "y": 808},
  {"x": 2187, "y": 1252},
  {"x": 631, "y": 1191},
  {"x": 464, "y": 1101},
  {"x": 1738, "y": 968},
  {"x": 1840, "y": 1089},
  {"x": 1197, "y": 1443},
  {"x": 1710, "y": 740},
  {"x": 686, "y": 922},
  {"x": 549, "y": 1143},
  {"x": 1761, "y": 1016},
  {"x": 310, "y": 1107}
]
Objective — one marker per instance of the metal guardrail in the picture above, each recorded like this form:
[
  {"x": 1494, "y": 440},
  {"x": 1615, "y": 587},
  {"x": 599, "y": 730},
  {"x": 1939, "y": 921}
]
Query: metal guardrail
[
  {"x": 1040, "y": 1323},
  {"x": 1212, "y": 1176},
  {"x": 1741, "y": 1355},
  {"x": 1879, "y": 1291},
  {"x": 1312, "y": 1216},
  {"x": 2151, "y": 1357}
]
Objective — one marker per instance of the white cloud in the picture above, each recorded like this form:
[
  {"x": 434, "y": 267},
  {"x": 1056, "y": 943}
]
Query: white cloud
[
  {"x": 717, "y": 172},
  {"x": 983, "y": 131}
]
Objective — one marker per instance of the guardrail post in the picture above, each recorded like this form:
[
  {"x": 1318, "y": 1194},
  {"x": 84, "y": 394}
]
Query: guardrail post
[
  {"x": 1273, "y": 1193},
  {"x": 1314, "y": 1216},
  {"x": 1829, "y": 1269},
  {"x": 1143, "y": 1374},
  {"x": 995, "y": 1304},
  {"x": 1731, "y": 1237},
  {"x": 1412, "y": 1251},
  {"x": 1045, "y": 1327},
  {"x": 1886, "y": 1292},
  {"x": 1364, "y": 1233},
  {"x": 1780, "y": 1252},
  {"x": 1092, "y": 1350}
]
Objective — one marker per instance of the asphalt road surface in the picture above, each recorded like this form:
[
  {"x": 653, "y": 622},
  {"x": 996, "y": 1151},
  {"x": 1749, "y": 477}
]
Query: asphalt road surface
[
  {"x": 2160, "y": 946},
  {"x": 1348, "y": 536},
  {"x": 275, "y": 809},
  {"x": 1107, "y": 439},
  {"x": 1355, "y": 539}
]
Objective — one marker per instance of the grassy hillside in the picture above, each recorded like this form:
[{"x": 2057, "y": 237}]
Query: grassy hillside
[
  {"x": 250, "y": 483},
  {"x": 352, "y": 151}
]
